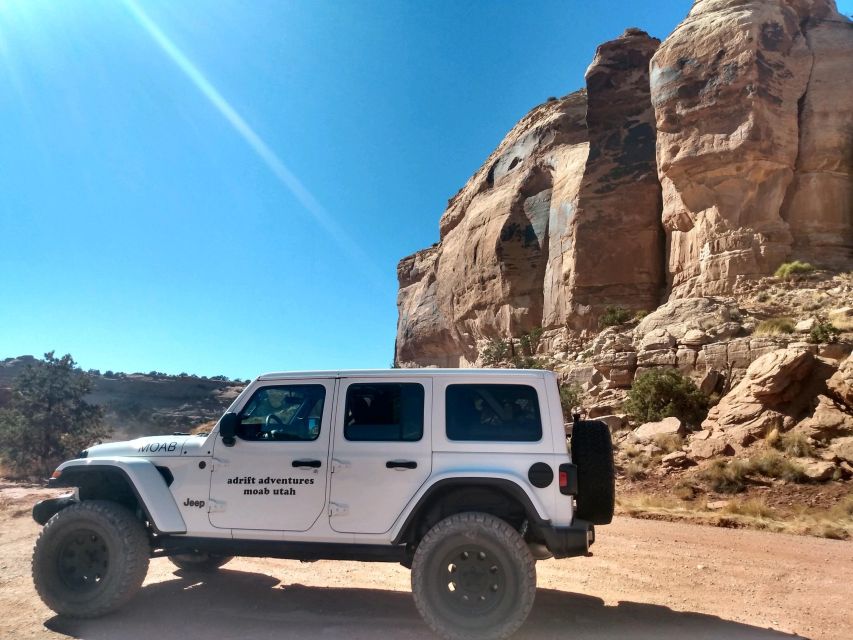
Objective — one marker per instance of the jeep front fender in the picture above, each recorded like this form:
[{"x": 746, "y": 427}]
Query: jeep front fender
[{"x": 144, "y": 480}]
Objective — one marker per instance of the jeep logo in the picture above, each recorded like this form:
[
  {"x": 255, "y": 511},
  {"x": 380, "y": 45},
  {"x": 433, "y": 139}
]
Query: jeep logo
[{"x": 189, "y": 502}]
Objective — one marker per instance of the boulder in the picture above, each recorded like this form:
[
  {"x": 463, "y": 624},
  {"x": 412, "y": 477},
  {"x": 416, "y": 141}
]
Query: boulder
[
  {"x": 830, "y": 420},
  {"x": 816, "y": 470},
  {"x": 656, "y": 339},
  {"x": 679, "y": 317},
  {"x": 710, "y": 381},
  {"x": 775, "y": 388},
  {"x": 676, "y": 459},
  {"x": 695, "y": 338},
  {"x": 616, "y": 422},
  {"x": 657, "y": 358},
  {"x": 840, "y": 385},
  {"x": 710, "y": 448},
  {"x": 805, "y": 326},
  {"x": 666, "y": 427},
  {"x": 842, "y": 448}
]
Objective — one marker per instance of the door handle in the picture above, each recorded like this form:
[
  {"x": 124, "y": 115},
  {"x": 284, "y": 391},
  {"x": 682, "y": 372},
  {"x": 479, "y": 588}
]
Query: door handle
[
  {"x": 401, "y": 464},
  {"x": 314, "y": 464}
]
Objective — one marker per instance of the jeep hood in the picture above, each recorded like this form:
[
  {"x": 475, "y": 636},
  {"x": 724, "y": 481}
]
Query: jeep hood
[{"x": 149, "y": 447}]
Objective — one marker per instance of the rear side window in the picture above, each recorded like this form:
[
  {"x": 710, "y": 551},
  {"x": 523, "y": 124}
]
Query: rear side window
[
  {"x": 502, "y": 412},
  {"x": 389, "y": 412}
]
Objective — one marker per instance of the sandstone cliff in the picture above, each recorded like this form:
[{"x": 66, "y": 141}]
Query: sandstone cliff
[
  {"x": 754, "y": 107},
  {"x": 680, "y": 170}
]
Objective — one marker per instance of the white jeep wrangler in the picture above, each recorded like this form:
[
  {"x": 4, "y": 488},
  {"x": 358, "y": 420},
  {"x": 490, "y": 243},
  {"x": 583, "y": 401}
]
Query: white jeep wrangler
[{"x": 462, "y": 475}]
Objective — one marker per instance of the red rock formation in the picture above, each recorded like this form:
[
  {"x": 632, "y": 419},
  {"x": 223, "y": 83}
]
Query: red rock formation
[
  {"x": 552, "y": 228},
  {"x": 748, "y": 158}
]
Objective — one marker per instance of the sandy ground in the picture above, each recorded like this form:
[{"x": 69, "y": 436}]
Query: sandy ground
[{"x": 646, "y": 580}]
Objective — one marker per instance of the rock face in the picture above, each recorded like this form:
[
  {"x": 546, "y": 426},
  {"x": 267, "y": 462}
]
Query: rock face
[
  {"x": 612, "y": 240},
  {"x": 682, "y": 170},
  {"x": 753, "y": 105},
  {"x": 775, "y": 393},
  {"x": 562, "y": 220}
]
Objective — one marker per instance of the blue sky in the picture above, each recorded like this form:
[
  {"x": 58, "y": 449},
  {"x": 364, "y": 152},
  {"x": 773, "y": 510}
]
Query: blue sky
[{"x": 226, "y": 187}]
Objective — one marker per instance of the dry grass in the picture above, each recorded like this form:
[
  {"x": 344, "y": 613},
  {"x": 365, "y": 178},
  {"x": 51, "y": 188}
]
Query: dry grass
[
  {"x": 753, "y": 513},
  {"x": 793, "y": 443},
  {"x": 669, "y": 442},
  {"x": 772, "y": 464},
  {"x": 725, "y": 476},
  {"x": 774, "y": 327}
]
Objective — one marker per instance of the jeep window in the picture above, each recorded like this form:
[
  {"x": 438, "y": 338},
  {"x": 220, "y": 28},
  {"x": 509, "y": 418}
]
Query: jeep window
[
  {"x": 503, "y": 412},
  {"x": 283, "y": 413},
  {"x": 389, "y": 412}
]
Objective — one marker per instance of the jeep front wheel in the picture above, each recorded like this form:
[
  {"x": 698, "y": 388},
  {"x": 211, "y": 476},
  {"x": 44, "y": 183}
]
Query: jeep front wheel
[
  {"x": 90, "y": 559},
  {"x": 473, "y": 578},
  {"x": 199, "y": 561}
]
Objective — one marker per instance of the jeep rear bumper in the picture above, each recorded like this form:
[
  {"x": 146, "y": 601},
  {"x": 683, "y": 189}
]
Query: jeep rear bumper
[{"x": 574, "y": 540}]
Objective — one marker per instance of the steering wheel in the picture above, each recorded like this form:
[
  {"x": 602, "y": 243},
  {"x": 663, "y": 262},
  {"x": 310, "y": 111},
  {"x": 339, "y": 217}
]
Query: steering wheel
[{"x": 273, "y": 418}]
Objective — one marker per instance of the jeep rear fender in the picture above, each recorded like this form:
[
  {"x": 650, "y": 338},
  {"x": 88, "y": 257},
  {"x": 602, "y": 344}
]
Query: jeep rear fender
[
  {"x": 144, "y": 480},
  {"x": 507, "y": 483}
]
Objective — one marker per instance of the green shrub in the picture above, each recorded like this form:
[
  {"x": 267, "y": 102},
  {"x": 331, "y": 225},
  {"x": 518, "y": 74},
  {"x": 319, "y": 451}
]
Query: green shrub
[
  {"x": 824, "y": 331},
  {"x": 517, "y": 353},
  {"x": 614, "y": 316},
  {"x": 570, "y": 397},
  {"x": 788, "y": 269},
  {"x": 48, "y": 419},
  {"x": 661, "y": 393},
  {"x": 774, "y": 326},
  {"x": 495, "y": 352}
]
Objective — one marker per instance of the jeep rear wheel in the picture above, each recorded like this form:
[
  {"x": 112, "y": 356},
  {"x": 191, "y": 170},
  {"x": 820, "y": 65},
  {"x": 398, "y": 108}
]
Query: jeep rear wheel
[
  {"x": 473, "y": 578},
  {"x": 90, "y": 559},
  {"x": 199, "y": 561},
  {"x": 592, "y": 452}
]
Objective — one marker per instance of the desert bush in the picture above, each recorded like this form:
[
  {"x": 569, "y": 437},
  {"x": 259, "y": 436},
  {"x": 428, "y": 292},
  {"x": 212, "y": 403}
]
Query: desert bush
[
  {"x": 48, "y": 418},
  {"x": 824, "y": 331},
  {"x": 772, "y": 464},
  {"x": 495, "y": 352},
  {"x": 774, "y": 326},
  {"x": 794, "y": 443},
  {"x": 570, "y": 397},
  {"x": 788, "y": 269},
  {"x": 725, "y": 476},
  {"x": 661, "y": 393},
  {"x": 614, "y": 316},
  {"x": 635, "y": 471},
  {"x": 669, "y": 442}
]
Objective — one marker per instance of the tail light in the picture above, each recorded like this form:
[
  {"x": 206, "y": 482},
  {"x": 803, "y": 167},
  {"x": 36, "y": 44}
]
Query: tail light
[{"x": 568, "y": 477}]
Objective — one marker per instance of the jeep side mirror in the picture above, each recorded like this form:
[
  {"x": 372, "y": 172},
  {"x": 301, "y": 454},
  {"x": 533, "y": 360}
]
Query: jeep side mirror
[{"x": 228, "y": 428}]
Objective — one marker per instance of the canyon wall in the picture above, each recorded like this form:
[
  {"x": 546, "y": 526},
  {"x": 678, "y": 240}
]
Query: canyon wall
[{"x": 680, "y": 169}]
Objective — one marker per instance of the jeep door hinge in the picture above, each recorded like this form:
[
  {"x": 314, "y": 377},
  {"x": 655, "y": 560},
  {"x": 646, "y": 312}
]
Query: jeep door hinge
[
  {"x": 216, "y": 506},
  {"x": 339, "y": 464},
  {"x": 336, "y": 509}
]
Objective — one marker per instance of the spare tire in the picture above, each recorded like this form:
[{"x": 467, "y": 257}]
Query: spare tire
[{"x": 592, "y": 453}]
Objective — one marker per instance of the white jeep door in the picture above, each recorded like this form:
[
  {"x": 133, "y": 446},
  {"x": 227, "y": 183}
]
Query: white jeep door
[
  {"x": 274, "y": 477},
  {"x": 381, "y": 450}
]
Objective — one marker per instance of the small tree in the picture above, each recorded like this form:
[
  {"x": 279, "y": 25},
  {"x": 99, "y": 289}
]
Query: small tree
[
  {"x": 661, "y": 393},
  {"x": 48, "y": 419},
  {"x": 570, "y": 398}
]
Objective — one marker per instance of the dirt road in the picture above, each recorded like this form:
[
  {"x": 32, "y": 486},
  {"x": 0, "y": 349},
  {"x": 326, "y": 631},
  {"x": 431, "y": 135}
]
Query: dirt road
[{"x": 646, "y": 580}]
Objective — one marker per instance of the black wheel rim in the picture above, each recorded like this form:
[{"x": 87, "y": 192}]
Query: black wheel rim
[
  {"x": 472, "y": 580},
  {"x": 83, "y": 560}
]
